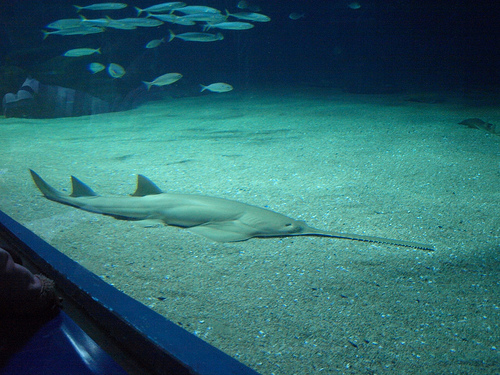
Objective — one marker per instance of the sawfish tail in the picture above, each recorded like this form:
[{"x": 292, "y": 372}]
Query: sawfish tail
[
  {"x": 360, "y": 237},
  {"x": 48, "y": 191},
  {"x": 79, "y": 189}
]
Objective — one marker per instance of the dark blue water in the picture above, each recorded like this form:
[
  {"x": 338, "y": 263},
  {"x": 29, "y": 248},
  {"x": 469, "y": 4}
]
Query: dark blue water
[{"x": 381, "y": 47}]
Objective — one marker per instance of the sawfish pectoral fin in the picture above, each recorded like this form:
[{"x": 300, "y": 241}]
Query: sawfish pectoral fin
[
  {"x": 223, "y": 231},
  {"x": 150, "y": 223}
]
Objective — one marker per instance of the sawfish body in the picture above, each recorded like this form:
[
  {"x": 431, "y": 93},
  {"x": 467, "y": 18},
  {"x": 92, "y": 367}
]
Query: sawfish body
[{"x": 218, "y": 219}]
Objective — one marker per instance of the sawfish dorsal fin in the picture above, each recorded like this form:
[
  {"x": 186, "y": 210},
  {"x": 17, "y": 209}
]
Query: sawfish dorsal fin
[
  {"x": 145, "y": 187},
  {"x": 79, "y": 189}
]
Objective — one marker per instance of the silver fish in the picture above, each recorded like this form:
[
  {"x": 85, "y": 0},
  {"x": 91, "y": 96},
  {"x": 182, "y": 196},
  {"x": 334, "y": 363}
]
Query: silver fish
[
  {"x": 230, "y": 26},
  {"x": 242, "y": 4},
  {"x": 139, "y": 22},
  {"x": 77, "y": 52},
  {"x": 102, "y": 22},
  {"x": 207, "y": 17},
  {"x": 65, "y": 23},
  {"x": 256, "y": 17},
  {"x": 161, "y": 8},
  {"x": 155, "y": 43},
  {"x": 116, "y": 24},
  {"x": 196, "y": 37},
  {"x": 217, "y": 87},
  {"x": 192, "y": 9},
  {"x": 172, "y": 18},
  {"x": 101, "y": 6},
  {"x": 96, "y": 67},
  {"x": 165, "y": 79},
  {"x": 80, "y": 30},
  {"x": 116, "y": 70},
  {"x": 295, "y": 16}
]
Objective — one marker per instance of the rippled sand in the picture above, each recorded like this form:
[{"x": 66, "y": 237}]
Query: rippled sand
[{"x": 382, "y": 166}]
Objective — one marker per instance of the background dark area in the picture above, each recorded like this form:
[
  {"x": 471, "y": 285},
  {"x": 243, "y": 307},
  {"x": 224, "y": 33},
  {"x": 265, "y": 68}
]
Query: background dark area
[{"x": 383, "y": 47}]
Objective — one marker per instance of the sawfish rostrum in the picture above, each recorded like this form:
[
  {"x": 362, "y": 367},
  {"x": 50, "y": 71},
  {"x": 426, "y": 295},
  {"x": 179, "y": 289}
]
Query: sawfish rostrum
[{"x": 218, "y": 219}]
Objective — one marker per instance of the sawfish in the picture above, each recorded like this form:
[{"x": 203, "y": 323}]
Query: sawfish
[{"x": 217, "y": 219}]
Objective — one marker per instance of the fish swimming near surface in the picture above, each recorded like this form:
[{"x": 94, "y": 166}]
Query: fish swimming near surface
[
  {"x": 101, "y": 6},
  {"x": 249, "y": 16},
  {"x": 77, "y": 30},
  {"x": 192, "y": 9},
  {"x": 65, "y": 23},
  {"x": 117, "y": 24},
  {"x": 172, "y": 18},
  {"x": 77, "y": 52},
  {"x": 101, "y": 22},
  {"x": 230, "y": 26},
  {"x": 137, "y": 22},
  {"x": 217, "y": 219},
  {"x": 207, "y": 17},
  {"x": 196, "y": 37},
  {"x": 161, "y": 8}
]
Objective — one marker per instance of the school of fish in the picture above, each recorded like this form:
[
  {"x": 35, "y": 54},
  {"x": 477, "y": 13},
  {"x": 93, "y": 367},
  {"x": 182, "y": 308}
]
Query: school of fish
[{"x": 178, "y": 13}]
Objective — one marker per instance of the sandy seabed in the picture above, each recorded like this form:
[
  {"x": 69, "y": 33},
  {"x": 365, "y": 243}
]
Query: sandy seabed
[{"x": 381, "y": 166}]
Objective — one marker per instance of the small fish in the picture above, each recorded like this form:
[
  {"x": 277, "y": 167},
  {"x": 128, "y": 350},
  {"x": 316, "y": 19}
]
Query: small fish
[
  {"x": 65, "y": 23},
  {"x": 155, "y": 43},
  {"x": 206, "y": 17},
  {"x": 102, "y": 22},
  {"x": 249, "y": 16},
  {"x": 139, "y": 22},
  {"x": 77, "y": 52},
  {"x": 95, "y": 67},
  {"x": 354, "y": 5},
  {"x": 242, "y": 4},
  {"x": 217, "y": 87},
  {"x": 101, "y": 6},
  {"x": 116, "y": 24},
  {"x": 79, "y": 30},
  {"x": 251, "y": 7},
  {"x": 163, "y": 80},
  {"x": 192, "y": 9},
  {"x": 161, "y": 8},
  {"x": 116, "y": 70},
  {"x": 296, "y": 16},
  {"x": 196, "y": 37},
  {"x": 230, "y": 26},
  {"x": 172, "y": 18}
]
